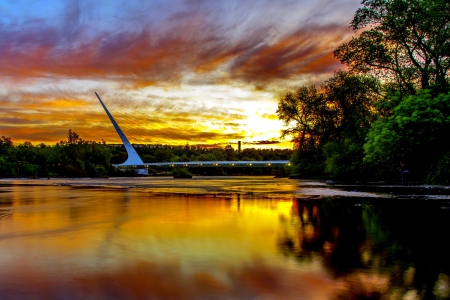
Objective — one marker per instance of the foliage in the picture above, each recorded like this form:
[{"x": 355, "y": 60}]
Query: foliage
[
  {"x": 415, "y": 133},
  {"x": 404, "y": 41},
  {"x": 180, "y": 171},
  {"x": 307, "y": 163},
  {"x": 390, "y": 106},
  {"x": 352, "y": 98},
  {"x": 343, "y": 159},
  {"x": 75, "y": 157},
  {"x": 306, "y": 115},
  {"x": 5, "y": 145},
  {"x": 440, "y": 172},
  {"x": 329, "y": 125}
]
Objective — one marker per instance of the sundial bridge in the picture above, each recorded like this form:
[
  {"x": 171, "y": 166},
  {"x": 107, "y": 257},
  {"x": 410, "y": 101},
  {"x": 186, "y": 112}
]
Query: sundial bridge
[{"x": 134, "y": 161}]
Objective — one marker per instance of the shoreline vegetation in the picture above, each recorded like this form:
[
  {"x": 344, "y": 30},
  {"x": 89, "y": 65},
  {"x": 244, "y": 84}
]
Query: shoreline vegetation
[
  {"x": 390, "y": 109},
  {"x": 76, "y": 157}
]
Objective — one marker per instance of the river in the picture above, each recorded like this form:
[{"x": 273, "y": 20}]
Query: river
[{"x": 218, "y": 238}]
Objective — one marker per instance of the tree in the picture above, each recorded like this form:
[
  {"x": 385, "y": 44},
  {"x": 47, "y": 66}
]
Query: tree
[
  {"x": 73, "y": 138},
  {"x": 351, "y": 98},
  {"x": 5, "y": 145},
  {"x": 306, "y": 115},
  {"x": 405, "y": 41},
  {"x": 329, "y": 125},
  {"x": 308, "y": 119},
  {"x": 415, "y": 133},
  {"x": 26, "y": 152}
]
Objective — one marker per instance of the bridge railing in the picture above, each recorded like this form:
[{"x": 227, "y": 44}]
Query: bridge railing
[{"x": 219, "y": 163}]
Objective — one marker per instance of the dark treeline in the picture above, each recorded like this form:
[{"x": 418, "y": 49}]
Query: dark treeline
[
  {"x": 76, "y": 157},
  {"x": 391, "y": 105},
  {"x": 73, "y": 157}
]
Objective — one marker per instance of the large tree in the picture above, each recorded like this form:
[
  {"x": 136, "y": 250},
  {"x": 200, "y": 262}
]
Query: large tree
[
  {"x": 415, "y": 133},
  {"x": 306, "y": 116},
  {"x": 5, "y": 145},
  {"x": 334, "y": 119},
  {"x": 403, "y": 41},
  {"x": 351, "y": 98}
]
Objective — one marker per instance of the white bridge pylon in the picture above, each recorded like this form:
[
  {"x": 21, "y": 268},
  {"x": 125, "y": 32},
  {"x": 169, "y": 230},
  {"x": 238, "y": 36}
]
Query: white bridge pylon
[{"x": 134, "y": 160}]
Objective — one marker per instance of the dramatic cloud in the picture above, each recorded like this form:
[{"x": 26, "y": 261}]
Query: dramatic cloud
[{"x": 200, "y": 59}]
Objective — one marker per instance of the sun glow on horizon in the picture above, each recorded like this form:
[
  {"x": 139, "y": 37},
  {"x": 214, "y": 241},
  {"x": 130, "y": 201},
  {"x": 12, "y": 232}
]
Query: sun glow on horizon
[{"x": 211, "y": 75}]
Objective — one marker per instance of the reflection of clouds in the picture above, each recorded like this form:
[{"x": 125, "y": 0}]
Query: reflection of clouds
[
  {"x": 107, "y": 243},
  {"x": 155, "y": 280}
]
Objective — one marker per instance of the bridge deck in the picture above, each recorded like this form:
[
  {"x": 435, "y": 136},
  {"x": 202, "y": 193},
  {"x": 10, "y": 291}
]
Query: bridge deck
[{"x": 231, "y": 163}]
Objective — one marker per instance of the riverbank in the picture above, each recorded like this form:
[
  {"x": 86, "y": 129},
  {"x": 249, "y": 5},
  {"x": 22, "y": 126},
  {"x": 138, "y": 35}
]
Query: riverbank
[
  {"x": 392, "y": 189},
  {"x": 261, "y": 186}
]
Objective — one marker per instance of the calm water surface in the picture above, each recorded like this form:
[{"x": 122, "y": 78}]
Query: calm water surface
[{"x": 217, "y": 238}]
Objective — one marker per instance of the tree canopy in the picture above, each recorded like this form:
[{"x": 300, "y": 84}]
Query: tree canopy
[
  {"x": 414, "y": 134},
  {"x": 391, "y": 105},
  {"x": 75, "y": 157},
  {"x": 332, "y": 120},
  {"x": 403, "y": 41}
]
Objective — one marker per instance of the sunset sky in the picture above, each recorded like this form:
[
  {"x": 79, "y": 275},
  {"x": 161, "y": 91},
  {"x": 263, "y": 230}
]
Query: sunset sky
[{"x": 170, "y": 71}]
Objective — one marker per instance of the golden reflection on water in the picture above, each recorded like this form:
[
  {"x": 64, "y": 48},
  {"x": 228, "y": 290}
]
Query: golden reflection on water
[
  {"x": 128, "y": 242},
  {"x": 80, "y": 243}
]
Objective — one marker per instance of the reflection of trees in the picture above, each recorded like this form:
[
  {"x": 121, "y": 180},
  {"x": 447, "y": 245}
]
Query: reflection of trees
[{"x": 401, "y": 244}]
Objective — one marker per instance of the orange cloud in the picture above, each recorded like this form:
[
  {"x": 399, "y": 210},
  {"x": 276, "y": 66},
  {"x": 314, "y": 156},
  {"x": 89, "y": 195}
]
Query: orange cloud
[
  {"x": 306, "y": 51},
  {"x": 193, "y": 44},
  {"x": 148, "y": 57}
]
